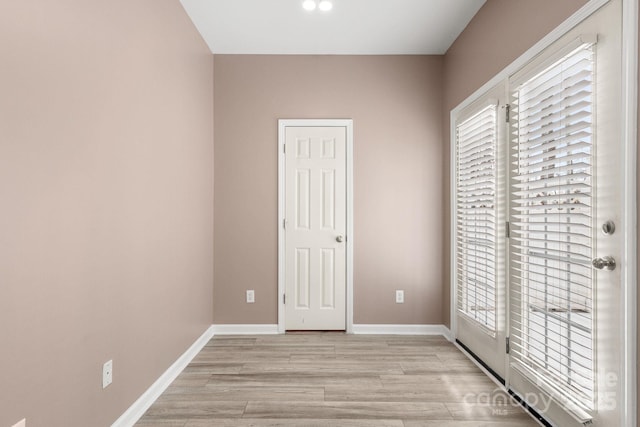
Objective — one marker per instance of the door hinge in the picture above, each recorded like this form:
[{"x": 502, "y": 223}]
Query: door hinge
[
  {"x": 507, "y": 229},
  {"x": 507, "y": 346},
  {"x": 284, "y": 298},
  {"x": 507, "y": 113},
  {"x": 284, "y": 223},
  {"x": 284, "y": 148}
]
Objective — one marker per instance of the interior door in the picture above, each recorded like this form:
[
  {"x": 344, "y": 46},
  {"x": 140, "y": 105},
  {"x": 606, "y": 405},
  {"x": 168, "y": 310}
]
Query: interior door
[
  {"x": 565, "y": 312},
  {"x": 480, "y": 231},
  {"x": 315, "y": 228}
]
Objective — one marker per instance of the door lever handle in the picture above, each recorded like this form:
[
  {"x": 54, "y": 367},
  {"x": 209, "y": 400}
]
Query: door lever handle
[{"x": 605, "y": 263}]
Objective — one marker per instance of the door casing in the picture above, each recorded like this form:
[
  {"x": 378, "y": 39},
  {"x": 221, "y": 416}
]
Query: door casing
[{"x": 282, "y": 125}]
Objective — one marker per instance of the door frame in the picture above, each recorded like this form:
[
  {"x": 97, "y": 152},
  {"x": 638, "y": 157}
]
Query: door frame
[
  {"x": 498, "y": 96},
  {"x": 282, "y": 125},
  {"x": 629, "y": 125}
]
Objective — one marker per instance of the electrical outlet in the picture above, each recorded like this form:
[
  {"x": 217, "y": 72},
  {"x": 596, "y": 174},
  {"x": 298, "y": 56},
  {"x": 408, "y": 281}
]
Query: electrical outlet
[
  {"x": 251, "y": 296},
  {"x": 22, "y": 423},
  {"x": 107, "y": 373},
  {"x": 399, "y": 297}
]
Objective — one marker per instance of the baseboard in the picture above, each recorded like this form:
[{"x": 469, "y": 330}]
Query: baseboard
[
  {"x": 272, "y": 329},
  {"x": 403, "y": 330},
  {"x": 262, "y": 329},
  {"x": 140, "y": 406}
]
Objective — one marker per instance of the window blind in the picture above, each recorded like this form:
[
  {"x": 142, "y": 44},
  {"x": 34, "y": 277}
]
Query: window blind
[
  {"x": 551, "y": 243},
  {"x": 476, "y": 217}
]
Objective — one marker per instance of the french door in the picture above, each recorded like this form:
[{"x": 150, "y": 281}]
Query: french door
[
  {"x": 564, "y": 299},
  {"x": 480, "y": 233},
  {"x": 557, "y": 193}
]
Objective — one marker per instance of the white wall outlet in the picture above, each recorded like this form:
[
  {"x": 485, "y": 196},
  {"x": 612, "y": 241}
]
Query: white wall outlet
[
  {"x": 22, "y": 423},
  {"x": 107, "y": 373},
  {"x": 399, "y": 297},
  {"x": 251, "y": 296}
]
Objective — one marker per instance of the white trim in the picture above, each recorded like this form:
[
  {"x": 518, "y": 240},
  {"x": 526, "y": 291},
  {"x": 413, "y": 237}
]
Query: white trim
[
  {"x": 281, "y": 215},
  {"x": 453, "y": 208},
  {"x": 282, "y": 124},
  {"x": 260, "y": 329},
  {"x": 350, "y": 230},
  {"x": 629, "y": 265},
  {"x": 375, "y": 329},
  {"x": 140, "y": 406},
  {"x": 446, "y": 332}
]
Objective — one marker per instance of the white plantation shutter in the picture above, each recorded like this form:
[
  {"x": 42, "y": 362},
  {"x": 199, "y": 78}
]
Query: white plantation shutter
[
  {"x": 476, "y": 217},
  {"x": 552, "y": 197}
]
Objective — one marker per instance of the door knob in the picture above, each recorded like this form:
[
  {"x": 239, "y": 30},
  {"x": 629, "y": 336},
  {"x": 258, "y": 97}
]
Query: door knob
[
  {"x": 609, "y": 227},
  {"x": 339, "y": 239},
  {"x": 606, "y": 263}
]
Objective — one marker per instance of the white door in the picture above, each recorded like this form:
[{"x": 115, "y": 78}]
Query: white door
[
  {"x": 565, "y": 304},
  {"x": 480, "y": 168},
  {"x": 315, "y": 228}
]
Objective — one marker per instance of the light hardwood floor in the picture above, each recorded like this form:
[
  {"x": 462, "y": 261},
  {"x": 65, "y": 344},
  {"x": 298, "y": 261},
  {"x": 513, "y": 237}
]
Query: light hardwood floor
[{"x": 333, "y": 379}]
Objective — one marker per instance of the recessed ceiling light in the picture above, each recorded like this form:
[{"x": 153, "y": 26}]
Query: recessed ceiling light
[
  {"x": 309, "y": 5},
  {"x": 325, "y": 5}
]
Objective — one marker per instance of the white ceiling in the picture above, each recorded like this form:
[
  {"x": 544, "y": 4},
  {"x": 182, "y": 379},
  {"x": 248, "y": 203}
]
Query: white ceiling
[{"x": 353, "y": 27}]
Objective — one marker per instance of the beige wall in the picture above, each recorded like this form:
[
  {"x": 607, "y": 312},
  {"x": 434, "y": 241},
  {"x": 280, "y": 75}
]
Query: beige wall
[
  {"x": 106, "y": 182},
  {"x": 501, "y": 31},
  {"x": 106, "y": 186},
  {"x": 395, "y": 103}
]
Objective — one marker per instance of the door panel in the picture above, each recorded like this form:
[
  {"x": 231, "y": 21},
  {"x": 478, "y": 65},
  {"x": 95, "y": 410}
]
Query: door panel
[
  {"x": 480, "y": 231},
  {"x": 315, "y": 233},
  {"x": 566, "y": 361}
]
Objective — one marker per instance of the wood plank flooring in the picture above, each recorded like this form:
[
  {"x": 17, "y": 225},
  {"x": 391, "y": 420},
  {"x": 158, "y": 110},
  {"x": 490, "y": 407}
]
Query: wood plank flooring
[{"x": 333, "y": 379}]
